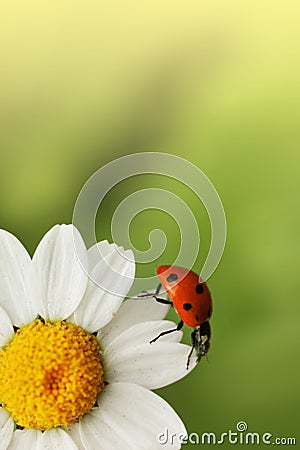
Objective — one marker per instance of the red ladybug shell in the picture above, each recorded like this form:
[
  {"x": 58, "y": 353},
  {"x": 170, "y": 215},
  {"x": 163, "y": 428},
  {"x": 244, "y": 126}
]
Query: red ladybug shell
[{"x": 191, "y": 297}]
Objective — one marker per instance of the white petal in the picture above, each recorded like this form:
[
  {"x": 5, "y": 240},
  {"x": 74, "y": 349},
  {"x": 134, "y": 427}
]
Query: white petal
[
  {"x": 6, "y": 328},
  {"x": 113, "y": 276},
  {"x": 57, "y": 439},
  {"x": 97, "y": 252},
  {"x": 132, "y": 311},
  {"x": 108, "y": 263},
  {"x": 14, "y": 277},
  {"x": 57, "y": 276},
  {"x": 143, "y": 333},
  {"x": 129, "y": 417},
  {"x": 26, "y": 439},
  {"x": 6, "y": 429},
  {"x": 95, "y": 433},
  {"x": 150, "y": 365},
  {"x": 73, "y": 431}
]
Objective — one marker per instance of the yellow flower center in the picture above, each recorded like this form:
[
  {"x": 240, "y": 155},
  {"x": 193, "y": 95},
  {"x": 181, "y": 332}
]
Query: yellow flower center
[{"x": 50, "y": 374}]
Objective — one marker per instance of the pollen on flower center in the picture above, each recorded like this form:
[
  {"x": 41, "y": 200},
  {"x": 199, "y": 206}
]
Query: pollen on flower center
[{"x": 50, "y": 374}]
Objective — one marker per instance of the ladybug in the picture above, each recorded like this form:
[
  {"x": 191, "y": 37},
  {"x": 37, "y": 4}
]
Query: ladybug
[{"x": 191, "y": 298}]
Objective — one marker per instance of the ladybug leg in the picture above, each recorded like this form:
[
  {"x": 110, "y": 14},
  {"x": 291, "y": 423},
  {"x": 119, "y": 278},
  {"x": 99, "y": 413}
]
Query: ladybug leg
[
  {"x": 159, "y": 300},
  {"x": 158, "y": 289},
  {"x": 179, "y": 326},
  {"x": 147, "y": 294},
  {"x": 163, "y": 300},
  {"x": 194, "y": 343}
]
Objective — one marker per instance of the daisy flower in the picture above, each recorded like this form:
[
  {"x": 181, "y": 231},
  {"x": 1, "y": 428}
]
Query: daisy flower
[{"x": 76, "y": 366}]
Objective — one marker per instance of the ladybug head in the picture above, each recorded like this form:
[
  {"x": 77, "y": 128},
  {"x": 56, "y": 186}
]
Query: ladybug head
[{"x": 200, "y": 340}]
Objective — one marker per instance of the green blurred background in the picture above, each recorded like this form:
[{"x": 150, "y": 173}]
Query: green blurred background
[{"x": 83, "y": 83}]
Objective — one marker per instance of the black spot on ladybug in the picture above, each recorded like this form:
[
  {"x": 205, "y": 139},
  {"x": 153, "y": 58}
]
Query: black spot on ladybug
[
  {"x": 172, "y": 277},
  {"x": 187, "y": 306},
  {"x": 199, "y": 289},
  {"x": 197, "y": 317}
]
